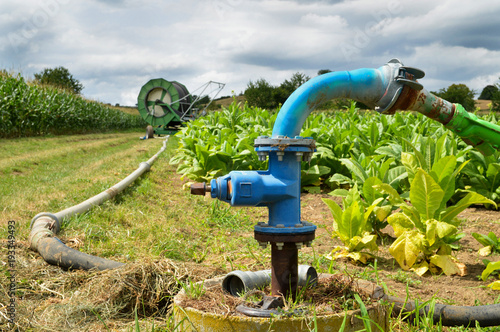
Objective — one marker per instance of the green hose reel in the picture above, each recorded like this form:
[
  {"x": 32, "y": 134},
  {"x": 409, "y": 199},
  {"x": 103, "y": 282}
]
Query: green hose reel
[{"x": 164, "y": 106}]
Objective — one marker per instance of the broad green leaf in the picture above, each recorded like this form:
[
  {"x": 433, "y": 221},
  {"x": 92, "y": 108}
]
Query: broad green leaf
[
  {"x": 410, "y": 163},
  {"x": 394, "y": 197},
  {"x": 446, "y": 263},
  {"x": 336, "y": 211},
  {"x": 471, "y": 198},
  {"x": 492, "y": 266},
  {"x": 406, "y": 249},
  {"x": 493, "y": 175},
  {"x": 425, "y": 194},
  {"x": 443, "y": 173},
  {"x": 352, "y": 220},
  {"x": 483, "y": 239},
  {"x": 355, "y": 168},
  {"x": 369, "y": 193},
  {"x": 371, "y": 208}
]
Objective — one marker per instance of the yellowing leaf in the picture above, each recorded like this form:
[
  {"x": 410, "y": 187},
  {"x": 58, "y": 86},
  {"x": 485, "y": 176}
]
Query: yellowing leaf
[
  {"x": 443, "y": 229},
  {"x": 400, "y": 222},
  {"x": 485, "y": 251},
  {"x": 406, "y": 248},
  {"x": 343, "y": 252},
  {"x": 495, "y": 285},
  {"x": 430, "y": 233},
  {"x": 446, "y": 263},
  {"x": 421, "y": 268},
  {"x": 382, "y": 212}
]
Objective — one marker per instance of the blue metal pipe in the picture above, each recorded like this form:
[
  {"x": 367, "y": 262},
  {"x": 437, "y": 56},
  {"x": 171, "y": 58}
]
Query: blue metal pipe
[{"x": 365, "y": 85}]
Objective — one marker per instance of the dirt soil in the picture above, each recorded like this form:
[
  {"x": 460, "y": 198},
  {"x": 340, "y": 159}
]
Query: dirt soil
[{"x": 455, "y": 290}]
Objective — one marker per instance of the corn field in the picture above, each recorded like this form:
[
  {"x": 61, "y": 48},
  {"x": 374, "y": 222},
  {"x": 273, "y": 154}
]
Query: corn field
[{"x": 31, "y": 110}]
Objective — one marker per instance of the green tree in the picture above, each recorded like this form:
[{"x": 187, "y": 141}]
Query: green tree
[
  {"x": 324, "y": 71},
  {"x": 286, "y": 88},
  {"x": 59, "y": 77},
  {"x": 488, "y": 92},
  {"x": 261, "y": 94},
  {"x": 495, "y": 99},
  {"x": 458, "y": 93}
]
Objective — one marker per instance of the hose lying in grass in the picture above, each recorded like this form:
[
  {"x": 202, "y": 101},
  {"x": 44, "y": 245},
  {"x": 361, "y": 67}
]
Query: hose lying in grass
[
  {"x": 449, "y": 315},
  {"x": 45, "y": 226}
]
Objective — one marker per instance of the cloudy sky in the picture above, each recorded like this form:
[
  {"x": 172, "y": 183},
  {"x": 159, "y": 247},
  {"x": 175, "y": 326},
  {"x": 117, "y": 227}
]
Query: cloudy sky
[{"x": 114, "y": 47}]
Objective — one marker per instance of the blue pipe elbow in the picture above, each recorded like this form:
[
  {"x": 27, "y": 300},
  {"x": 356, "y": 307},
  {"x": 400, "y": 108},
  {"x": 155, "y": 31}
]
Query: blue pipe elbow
[{"x": 364, "y": 85}]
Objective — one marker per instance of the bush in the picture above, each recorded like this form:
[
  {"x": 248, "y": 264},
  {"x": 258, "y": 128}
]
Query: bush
[
  {"x": 488, "y": 92},
  {"x": 61, "y": 78},
  {"x": 460, "y": 94}
]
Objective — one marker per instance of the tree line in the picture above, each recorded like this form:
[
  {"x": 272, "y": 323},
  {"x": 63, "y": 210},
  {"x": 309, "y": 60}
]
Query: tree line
[{"x": 261, "y": 93}]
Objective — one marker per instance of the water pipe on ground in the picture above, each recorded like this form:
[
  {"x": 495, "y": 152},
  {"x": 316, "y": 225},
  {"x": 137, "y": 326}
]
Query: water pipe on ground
[
  {"x": 389, "y": 88},
  {"x": 45, "y": 226}
]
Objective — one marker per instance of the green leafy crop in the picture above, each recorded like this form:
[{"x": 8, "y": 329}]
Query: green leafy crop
[
  {"x": 351, "y": 225},
  {"x": 427, "y": 228}
]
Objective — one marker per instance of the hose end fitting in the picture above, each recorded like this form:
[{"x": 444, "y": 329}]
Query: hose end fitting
[
  {"x": 401, "y": 79},
  {"x": 43, "y": 225}
]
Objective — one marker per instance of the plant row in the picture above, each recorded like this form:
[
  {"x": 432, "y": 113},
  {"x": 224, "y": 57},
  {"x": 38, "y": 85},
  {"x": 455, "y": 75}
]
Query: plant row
[
  {"x": 28, "y": 110},
  {"x": 351, "y": 147},
  {"x": 411, "y": 172}
]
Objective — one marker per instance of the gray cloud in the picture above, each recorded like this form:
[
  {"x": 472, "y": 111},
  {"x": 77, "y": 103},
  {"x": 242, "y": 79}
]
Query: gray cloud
[{"x": 116, "y": 46}]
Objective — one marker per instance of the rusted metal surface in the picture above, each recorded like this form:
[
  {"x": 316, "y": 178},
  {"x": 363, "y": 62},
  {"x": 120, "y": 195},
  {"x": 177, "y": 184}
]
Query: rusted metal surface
[
  {"x": 405, "y": 101},
  {"x": 284, "y": 269},
  {"x": 199, "y": 189}
]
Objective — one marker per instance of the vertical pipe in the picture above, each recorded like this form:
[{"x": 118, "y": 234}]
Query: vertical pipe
[{"x": 284, "y": 269}]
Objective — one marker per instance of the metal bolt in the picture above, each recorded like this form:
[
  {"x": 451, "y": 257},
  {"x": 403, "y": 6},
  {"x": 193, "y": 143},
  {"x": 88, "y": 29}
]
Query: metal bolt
[
  {"x": 262, "y": 155},
  {"x": 299, "y": 245},
  {"x": 307, "y": 156},
  {"x": 279, "y": 245},
  {"x": 280, "y": 226},
  {"x": 199, "y": 189},
  {"x": 299, "y": 155},
  {"x": 280, "y": 136},
  {"x": 298, "y": 137},
  {"x": 298, "y": 225},
  {"x": 261, "y": 223},
  {"x": 280, "y": 155},
  {"x": 263, "y": 245}
]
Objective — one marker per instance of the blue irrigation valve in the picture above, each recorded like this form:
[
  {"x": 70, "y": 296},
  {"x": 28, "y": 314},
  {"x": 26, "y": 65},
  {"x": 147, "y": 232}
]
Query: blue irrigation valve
[{"x": 277, "y": 188}]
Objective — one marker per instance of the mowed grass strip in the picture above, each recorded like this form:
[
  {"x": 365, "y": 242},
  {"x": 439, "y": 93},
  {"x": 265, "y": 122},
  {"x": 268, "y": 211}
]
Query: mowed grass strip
[{"x": 154, "y": 217}]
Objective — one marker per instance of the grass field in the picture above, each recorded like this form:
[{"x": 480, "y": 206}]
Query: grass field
[{"x": 154, "y": 226}]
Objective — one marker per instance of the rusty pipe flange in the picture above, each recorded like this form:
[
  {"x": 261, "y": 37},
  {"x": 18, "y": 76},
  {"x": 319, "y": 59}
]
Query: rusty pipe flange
[{"x": 399, "y": 77}]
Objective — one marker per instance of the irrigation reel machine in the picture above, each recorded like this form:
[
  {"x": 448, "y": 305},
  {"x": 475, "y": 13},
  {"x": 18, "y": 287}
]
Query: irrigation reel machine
[{"x": 166, "y": 105}]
